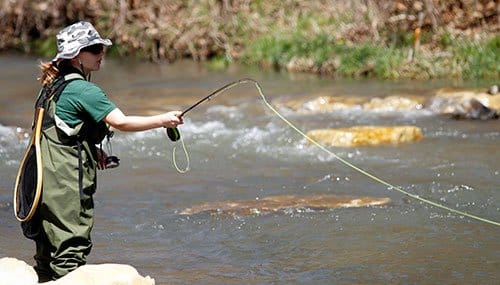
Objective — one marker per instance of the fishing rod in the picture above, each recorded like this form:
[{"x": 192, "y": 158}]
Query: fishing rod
[{"x": 173, "y": 133}]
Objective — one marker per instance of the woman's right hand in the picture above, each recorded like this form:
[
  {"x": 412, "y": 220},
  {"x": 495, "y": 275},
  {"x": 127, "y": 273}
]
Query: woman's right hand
[{"x": 172, "y": 119}]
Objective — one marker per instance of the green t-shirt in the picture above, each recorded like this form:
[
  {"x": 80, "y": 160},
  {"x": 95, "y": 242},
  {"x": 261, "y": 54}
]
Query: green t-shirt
[{"x": 82, "y": 99}]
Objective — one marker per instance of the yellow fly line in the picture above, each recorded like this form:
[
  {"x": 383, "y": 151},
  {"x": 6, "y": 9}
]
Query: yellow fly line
[{"x": 342, "y": 160}]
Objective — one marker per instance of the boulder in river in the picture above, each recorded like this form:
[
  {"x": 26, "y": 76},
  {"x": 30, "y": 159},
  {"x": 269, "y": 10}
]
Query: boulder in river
[
  {"x": 366, "y": 135},
  {"x": 18, "y": 272},
  {"x": 465, "y": 104}
]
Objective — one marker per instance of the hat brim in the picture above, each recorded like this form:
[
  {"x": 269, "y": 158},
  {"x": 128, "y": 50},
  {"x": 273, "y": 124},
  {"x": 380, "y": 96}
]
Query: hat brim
[{"x": 74, "y": 52}]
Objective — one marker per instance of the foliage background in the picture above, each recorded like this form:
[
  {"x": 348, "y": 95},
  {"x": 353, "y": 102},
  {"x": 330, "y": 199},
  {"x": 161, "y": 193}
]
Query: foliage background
[{"x": 336, "y": 38}]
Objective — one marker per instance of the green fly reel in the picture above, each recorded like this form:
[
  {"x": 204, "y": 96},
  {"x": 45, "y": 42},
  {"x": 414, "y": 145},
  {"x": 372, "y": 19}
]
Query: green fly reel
[{"x": 173, "y": 134}]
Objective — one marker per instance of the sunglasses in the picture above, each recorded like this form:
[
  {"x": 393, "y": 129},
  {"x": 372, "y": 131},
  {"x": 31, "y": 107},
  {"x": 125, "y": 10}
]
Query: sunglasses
[{"x": 94, "y": 49}]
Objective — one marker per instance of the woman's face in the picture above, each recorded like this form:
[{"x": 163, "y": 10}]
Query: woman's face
[{"x": 90, "y": 57}]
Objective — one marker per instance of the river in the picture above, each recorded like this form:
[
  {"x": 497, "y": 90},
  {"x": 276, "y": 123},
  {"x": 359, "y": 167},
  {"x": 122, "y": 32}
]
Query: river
[{"x": 240, "y": 150}]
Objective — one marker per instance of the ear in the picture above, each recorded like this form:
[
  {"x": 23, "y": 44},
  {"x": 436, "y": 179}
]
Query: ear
[{"x": 75, "y": 61}]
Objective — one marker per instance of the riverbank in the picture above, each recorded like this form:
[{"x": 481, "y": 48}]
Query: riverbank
[{"x": 387, "y": 40}]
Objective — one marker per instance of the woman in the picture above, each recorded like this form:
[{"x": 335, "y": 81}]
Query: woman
[{"x": 77, "y": 117}]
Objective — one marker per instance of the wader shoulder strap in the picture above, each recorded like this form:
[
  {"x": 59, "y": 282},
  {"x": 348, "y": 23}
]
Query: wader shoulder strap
[
  {"x": 80, "y": 170},
  {"x": 52, "y": 92}
]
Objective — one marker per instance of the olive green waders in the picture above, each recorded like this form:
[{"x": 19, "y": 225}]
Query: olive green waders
[{"x": 65, "y": 215}]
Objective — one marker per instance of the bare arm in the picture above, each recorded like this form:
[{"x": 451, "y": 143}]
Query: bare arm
[{"x": 125, "y": 123}]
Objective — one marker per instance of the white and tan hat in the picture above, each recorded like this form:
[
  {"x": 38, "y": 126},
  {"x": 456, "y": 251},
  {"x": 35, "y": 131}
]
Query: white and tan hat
[{"x": 73, "y": 38}]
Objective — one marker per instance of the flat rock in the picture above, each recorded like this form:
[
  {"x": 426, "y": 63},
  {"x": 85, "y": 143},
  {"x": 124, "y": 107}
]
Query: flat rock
[
  {"x": 18, "y": 272},
  {"x": 319, "y": 104},
  {"x": 336, "y": 103},
  {"x": 273, "y": 204},
  {"x": 104, "y": 274},
  {"x": 15, "y": 271},
  {"x": 366, "y": 135},
  {"x": 394, "y": 103}
]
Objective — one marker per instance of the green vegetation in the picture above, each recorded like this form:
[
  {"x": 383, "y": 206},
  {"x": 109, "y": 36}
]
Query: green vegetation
[
  {"x": 479, "y": 60},
  {"x": 359, "y": 38},
  {"x": 456, "y": 58},
  {"x": 45, "y": 47}
]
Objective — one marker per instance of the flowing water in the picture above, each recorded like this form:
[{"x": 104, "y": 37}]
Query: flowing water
[{"x": 240, "y": 150}]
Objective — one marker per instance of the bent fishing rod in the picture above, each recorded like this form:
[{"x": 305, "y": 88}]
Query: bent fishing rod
[{"x": 173, "y": 133}]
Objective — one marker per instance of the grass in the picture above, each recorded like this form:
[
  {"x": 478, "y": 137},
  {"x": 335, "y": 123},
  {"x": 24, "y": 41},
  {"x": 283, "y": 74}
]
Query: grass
[
  {"x": 479, "y": 60},
  {"x": 459, "y": 57}
]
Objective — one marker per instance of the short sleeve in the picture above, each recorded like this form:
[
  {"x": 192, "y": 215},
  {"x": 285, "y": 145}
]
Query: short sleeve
[
  {"x": 95, "y": 102},
  {"x": 82, "y": 99}
]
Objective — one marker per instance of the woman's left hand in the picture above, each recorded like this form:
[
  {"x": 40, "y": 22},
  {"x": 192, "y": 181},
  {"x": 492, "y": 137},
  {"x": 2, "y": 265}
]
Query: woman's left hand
[{"x": 101, "y": 159}]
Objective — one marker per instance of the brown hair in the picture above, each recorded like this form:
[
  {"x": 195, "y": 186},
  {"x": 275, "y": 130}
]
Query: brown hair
[{"x": 49, "y": 72}]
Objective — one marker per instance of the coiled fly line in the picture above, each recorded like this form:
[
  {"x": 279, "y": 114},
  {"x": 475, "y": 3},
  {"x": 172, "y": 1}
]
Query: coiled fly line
[{"x": 174, "y": 135}]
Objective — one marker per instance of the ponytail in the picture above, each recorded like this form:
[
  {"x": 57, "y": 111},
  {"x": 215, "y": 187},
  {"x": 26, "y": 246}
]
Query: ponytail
[{"x": 49, "y": 72}]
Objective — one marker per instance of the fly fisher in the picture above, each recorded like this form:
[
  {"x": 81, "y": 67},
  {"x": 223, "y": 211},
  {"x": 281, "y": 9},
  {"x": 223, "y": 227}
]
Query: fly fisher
[{"x": 57, "y": 176}]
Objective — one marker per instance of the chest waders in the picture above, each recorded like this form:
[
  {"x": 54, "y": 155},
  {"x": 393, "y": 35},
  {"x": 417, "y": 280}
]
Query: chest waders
[{"x": 55, "y": 204}]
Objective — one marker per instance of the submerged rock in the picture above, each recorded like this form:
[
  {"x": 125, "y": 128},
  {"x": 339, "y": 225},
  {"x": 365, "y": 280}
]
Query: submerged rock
[
  {"x": 394, "y": 103},
  {"x": 465, "y": 104},
  {"x": 336, "y": 103},
  {"x": 366, "y": 135},
  {"x": 330, "y": 103},
  {"x": 279, "y": 203},
  {"x": 321, "y": 104},
  {"x": 14, "y": 271}
]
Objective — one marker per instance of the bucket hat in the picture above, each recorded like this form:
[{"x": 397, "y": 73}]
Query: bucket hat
[{"x": 73, "y": 38}]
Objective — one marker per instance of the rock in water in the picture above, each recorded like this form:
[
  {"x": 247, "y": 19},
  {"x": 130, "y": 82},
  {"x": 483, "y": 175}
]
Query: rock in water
[
  {"x": 17, "y": 272},
  {"x": 493, "y": 90},
  {"x": 466, "y": 104},
  {"x": 279, "y": 203},
  {"x": 104, "y": 274},
  {"x": 336, "y": 103},
  {"x": 394, "y": 103},
  {"x": 366, "y": 135},
  {"x": 473, "y": 109}
]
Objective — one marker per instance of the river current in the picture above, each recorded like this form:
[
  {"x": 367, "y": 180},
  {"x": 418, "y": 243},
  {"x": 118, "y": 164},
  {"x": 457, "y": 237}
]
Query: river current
[{"x": 240, "y": 150}]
